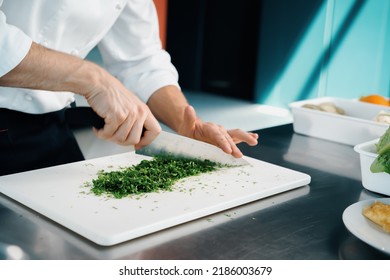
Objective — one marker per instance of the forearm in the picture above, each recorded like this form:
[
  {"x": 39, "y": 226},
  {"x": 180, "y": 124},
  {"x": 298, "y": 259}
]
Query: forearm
[
  {"x": 168, "y": 105},
  {"x": 124, "y": 114},
  {"x": 47, "y": 69}
]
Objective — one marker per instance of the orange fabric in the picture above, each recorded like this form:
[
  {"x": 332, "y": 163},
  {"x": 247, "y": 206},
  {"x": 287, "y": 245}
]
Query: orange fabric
[{"x": 162, "y": 9}]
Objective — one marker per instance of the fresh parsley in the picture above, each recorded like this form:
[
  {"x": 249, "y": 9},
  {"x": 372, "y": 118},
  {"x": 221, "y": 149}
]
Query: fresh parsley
[{"x": 160, "y": 173}]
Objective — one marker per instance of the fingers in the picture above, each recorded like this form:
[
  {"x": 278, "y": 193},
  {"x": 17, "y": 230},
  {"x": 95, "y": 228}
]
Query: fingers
[
  {"x": 239, "y": 136},
  {"x": 216, "y": 134},
  {"x": 234, "y": 150},
  {"x": 136, "y": 135},
  {"x": 224, "y": 142},
  {"x": 117, "y": 128},
  {"x": 124, "y": 114},
  {"x": 152, "y": 129},
  {"x": 139, "y": 130}
]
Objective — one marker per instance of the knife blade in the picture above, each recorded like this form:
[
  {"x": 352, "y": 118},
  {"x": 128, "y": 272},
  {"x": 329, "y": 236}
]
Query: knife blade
[
  {"x": 165, "y": 143},
  {"x": 181, "y": 146}
]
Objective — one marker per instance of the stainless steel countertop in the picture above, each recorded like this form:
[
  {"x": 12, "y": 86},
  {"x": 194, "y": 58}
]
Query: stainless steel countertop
[{"x": 305, "y": 223}]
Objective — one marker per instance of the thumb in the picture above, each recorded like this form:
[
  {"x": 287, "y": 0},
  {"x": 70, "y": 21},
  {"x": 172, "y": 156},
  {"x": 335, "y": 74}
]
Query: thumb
[{"x": 190, "y": 117}]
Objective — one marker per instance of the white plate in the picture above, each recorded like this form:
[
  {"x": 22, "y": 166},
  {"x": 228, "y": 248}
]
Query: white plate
[{"x": 363, "y": 228}]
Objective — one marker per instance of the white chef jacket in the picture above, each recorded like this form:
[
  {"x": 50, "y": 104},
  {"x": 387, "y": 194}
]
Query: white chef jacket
[{"x": 126, "y": 33}]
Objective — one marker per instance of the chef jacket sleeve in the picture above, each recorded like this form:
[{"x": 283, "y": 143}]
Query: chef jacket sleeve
[
  {"x": 132, "y": 50},
  {"x": 14, "y": 45}
]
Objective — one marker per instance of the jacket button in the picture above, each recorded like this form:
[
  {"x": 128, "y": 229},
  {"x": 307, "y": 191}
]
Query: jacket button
[{"x": 74, "y": 52}]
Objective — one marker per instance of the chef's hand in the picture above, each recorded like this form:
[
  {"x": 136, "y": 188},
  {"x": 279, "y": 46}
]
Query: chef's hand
[
  {"x": 215, "y": 134},
  {"x": 124, "y": 114}
]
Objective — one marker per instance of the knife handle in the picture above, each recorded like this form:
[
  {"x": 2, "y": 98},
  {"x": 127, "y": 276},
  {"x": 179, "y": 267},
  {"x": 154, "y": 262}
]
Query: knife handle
[{"x": 83, "y": 116}]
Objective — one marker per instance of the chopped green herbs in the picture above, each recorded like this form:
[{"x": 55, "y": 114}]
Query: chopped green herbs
[
  {"x": 382, "y": 161},
  {"x": 160, "y": 173}
]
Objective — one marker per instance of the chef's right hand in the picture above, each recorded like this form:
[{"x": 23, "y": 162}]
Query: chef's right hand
[
  {"x": 124, "y": 114},
  {"x": 128, "y": 121}
]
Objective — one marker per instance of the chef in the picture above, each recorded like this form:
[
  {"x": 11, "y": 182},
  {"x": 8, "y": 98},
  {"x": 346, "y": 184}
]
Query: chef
[{"x": 43, "y": 44}]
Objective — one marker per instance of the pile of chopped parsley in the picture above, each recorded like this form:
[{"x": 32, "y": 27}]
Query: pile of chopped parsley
[{"x": 160, "y": 173}]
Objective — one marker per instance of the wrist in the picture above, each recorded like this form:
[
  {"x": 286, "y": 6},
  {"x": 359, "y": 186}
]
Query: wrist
[
  {"x": 86, "y": 79},
  {"x": 168, "y": 104}
]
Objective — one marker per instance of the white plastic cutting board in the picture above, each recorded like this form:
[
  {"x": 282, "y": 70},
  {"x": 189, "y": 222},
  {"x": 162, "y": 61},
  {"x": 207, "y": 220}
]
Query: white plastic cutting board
[{"x": 60, "y": 193}]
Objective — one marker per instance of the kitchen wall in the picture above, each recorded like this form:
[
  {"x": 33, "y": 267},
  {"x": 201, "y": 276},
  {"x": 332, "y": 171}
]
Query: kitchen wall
[
  {"x": 328, "y": 48},
  {"x": 277, "y": 51},
  {"x": 214, "y": 45},
  {"x": 274, "y": 52}
]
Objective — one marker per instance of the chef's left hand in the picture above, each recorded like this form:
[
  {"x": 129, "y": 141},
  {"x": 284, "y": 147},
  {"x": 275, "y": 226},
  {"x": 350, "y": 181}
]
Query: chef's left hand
[{"x": 215, "y": 134}]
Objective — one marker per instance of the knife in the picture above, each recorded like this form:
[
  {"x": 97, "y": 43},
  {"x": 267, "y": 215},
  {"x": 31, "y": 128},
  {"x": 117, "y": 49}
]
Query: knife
[
  {"x": 173, "y": 144},
  {"x": 166, "y": 143},
  {"x": 83, "y": 116}
]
